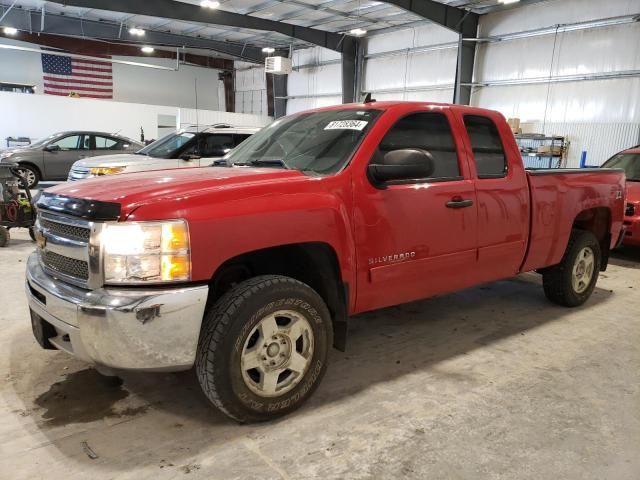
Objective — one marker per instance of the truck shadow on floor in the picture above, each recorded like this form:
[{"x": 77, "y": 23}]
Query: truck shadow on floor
[
  {"x": 628, "y": 257},
  {"x": 383, "y": 346}
]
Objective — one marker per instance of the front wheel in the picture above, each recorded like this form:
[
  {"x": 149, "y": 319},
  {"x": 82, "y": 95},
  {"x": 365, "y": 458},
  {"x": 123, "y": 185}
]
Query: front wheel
[
  {"x": 30, "y": 174},
  {"x": 571, "y": 282},
  {"x": 263, "y": 348}
]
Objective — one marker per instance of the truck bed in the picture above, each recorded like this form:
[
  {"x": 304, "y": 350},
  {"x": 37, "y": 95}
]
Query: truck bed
[{"x": 558, "y": 198}]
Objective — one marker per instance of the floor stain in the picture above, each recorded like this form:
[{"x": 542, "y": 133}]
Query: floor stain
[{"x": 82, "y": 397}]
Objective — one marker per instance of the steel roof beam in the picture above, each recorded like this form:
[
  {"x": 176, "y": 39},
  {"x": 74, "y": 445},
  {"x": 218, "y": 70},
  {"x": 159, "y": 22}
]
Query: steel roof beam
[
  {"x": 25, "y": 20},
  {"x": 460, "y": 21},
  {"x": 187, "y": 12}
]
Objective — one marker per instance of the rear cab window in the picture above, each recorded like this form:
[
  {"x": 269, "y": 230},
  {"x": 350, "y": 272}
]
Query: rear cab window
[{"x": 487, "y": 147}]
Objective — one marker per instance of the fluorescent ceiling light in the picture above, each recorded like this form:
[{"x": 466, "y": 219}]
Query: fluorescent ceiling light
[
  {"x": 10, "y": 30},
  {"x": 358, "y": 32},
  {"x": 209, "y": 4},
  {"x": 268, "y": 50},
  {"x": 507, "y": 2},
  {"x": 147, "y": 49},
  {"x": 136, "y": 31}
]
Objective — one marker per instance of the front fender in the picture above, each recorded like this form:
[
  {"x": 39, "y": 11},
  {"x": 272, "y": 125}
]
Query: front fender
[{"x": 220, "y": 231}]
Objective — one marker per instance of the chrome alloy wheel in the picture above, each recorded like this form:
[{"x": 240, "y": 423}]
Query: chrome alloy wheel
[
  {"x": 277, "y": 353},
  {"x": 583, "y": 270},
  {"x": 28, "y": 175}
]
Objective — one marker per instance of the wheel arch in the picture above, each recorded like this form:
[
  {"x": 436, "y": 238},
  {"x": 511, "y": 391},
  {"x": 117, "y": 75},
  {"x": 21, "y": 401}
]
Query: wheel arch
[
  {"x": 27, "y": 163},
  {"x": 313, "y": 263},
  {"x": 597, "y": 221}
]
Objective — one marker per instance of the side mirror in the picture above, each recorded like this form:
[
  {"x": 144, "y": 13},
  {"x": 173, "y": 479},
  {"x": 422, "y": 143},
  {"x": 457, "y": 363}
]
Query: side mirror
[
  {"x": 52, "y": 148},
  {"x": 406, "y": 164},
  {"x": 189, "y": 156}
]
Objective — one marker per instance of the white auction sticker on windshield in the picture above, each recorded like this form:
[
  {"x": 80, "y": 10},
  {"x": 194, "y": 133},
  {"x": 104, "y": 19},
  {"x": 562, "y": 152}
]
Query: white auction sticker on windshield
[{"x": 347, "y": 125}]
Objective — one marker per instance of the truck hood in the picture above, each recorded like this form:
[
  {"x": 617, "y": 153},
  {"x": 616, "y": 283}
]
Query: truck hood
[
  {"x": 119, "y": 159},
  {"x": 132, "y": 190}
]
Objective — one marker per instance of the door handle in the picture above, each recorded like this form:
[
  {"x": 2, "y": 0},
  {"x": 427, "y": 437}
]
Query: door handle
[{"x": 459, "y": 202}]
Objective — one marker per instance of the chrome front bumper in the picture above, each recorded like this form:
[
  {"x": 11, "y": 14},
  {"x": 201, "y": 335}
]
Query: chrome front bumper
[{"x": 153, "y": 329}]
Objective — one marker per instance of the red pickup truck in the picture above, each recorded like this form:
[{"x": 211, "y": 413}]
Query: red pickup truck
[{"x": 250, "y": 272}]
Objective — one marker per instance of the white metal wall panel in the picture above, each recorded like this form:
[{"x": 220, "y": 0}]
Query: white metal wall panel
[
  {"x": 317, "y": 86},
  {"x": 250, "y": 89},
  {"x": 580, "y": 52},
  {"x": 599, "y": 140},
  {"x": 314, "y": 55},
  {"x": 414, "y": 37},
  {"x": 315, "y": 81},
  {"x": 439, "y": 96},
  {"x": 412, "y": 70},
  {"x": 601, "y": 101},
  {"x": 295, "y": 105},
  {"x": 553, "y": 12}
]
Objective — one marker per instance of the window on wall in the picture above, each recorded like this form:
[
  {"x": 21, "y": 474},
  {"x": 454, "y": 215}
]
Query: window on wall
[
  {"x": 488, "y": 152},
  {"x": 425, "y": 131}
]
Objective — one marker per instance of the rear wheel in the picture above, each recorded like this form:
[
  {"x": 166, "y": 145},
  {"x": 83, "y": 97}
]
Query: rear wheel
[
  {"x": 31, "y": 175},
  {"x": 571, "y": 282},
  {"x": 263, "y": 348}
]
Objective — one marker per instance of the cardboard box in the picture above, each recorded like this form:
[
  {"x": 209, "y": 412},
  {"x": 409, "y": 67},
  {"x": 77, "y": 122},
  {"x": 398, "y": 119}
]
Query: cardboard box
[{"x": 549, "y": 150}]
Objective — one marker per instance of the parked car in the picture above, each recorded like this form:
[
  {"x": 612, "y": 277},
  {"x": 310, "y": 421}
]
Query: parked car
[
  {"x": 191, "y": 147},
  {"x": 250, "y": 272},
  {"x": 51, "y": 158},
  {"x": 629, "y": 161}
]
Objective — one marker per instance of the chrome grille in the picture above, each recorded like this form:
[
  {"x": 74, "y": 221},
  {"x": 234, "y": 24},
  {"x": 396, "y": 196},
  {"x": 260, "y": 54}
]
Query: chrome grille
[
  {"x": 65, "y": 265},
  {"x": 66, "y": 230},
  {"x": 78, "y": 173},
  {"x": 64, "y": 243}
]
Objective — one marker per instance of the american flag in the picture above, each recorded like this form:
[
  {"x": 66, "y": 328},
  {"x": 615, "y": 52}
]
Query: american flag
[{"x": 63, "y": 75}]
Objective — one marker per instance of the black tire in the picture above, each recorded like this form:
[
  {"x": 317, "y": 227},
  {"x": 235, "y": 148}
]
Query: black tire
[
  {"x": 226, "y": 331},
  {"x": 31, "y": 175},
  {"x": 558, "y": 280},
  {"x": 4, "y": 237},
  {"x": 32, "y": 234}
]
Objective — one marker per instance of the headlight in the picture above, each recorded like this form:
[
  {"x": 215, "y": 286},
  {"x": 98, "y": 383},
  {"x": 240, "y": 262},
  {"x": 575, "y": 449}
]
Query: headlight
[
  {"x": 146, "y": 252},
  {"x": 100, "y": 171}
]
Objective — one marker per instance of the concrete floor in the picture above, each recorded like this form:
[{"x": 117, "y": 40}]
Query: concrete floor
[{"x": 489, "y": 383}]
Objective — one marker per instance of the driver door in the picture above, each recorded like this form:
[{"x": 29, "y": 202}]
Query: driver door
[
  {"x": 416, "y": 238},
  {"x": 61, "y": 154}
]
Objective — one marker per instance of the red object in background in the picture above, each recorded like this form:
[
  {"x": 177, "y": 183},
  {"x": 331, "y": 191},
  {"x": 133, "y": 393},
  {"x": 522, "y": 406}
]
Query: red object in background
[{"x": 517, "y": 222}]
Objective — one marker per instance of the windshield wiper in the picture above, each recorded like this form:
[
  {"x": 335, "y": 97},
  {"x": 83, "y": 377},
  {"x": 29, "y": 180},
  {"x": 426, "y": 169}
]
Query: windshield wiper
[{"x": 276, "y": 162}]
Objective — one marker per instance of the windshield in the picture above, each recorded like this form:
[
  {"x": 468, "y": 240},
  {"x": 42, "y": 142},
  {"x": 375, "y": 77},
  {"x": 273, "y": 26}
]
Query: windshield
[
  {"x": 41, "y": 142},
  {"x": 318, "y": 142},
  {"x": 629, "y": 162},
  {"x": 166, "y": 147}
]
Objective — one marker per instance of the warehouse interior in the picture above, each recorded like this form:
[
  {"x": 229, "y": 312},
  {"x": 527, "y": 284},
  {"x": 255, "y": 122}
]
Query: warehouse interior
[{"x": 487, "y": 382}]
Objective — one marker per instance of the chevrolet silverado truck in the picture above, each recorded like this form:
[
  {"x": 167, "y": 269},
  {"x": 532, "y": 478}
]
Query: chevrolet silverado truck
[{"x": 249, "y": 272}]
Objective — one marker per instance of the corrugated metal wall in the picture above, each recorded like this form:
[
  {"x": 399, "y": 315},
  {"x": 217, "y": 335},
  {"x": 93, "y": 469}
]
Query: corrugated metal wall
[
  {"x": 318, "y": 83},
  {"x": 250, "y": 88},
  {"x": 599, "y": 115}
]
